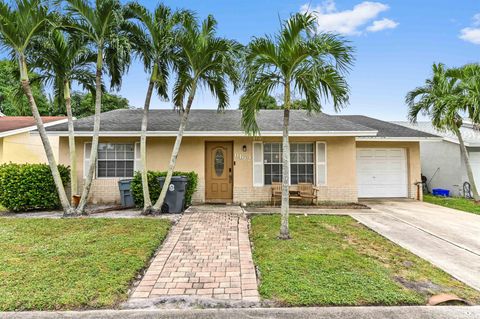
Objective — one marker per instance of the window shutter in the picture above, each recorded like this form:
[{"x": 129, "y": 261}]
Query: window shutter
[
  {"x": 258, "y": 177},
  {"x": 87, "y": 149},
  {"x": 137, "y": 165},
  {"x": 321, "y": 163}
]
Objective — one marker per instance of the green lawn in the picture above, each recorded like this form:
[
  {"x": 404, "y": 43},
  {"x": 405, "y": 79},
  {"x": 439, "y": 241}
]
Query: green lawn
[
  {"x": 467, "y": 205},
  {"x": 333, "y": 260},
  {"x": 73, "y": 263}
]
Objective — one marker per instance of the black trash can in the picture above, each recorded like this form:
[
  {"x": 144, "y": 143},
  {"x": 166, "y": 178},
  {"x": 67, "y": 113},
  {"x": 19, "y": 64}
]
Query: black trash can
[
  {"x": 126, "y": 196},
  {"x": 175, "y": 198}
]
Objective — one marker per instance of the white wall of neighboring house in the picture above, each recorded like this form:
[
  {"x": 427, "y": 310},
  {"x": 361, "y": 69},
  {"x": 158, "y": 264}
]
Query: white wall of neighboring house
[{"x": 445, "y": 159}]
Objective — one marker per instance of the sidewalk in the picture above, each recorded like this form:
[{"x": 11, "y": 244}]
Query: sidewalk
[{"x": 408, "y": 312}]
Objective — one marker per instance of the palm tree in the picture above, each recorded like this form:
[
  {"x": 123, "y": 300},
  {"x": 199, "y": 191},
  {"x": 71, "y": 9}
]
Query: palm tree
[
  {"x": 445, "y": 99},
  {"x": 296, "y": 60},
  {"x": 202, "y": 58},
  {"x": 105, "y": 26},
  {"x": 62, "y": 59},
  {"x": 20, "y": 23},
  {"x": 156, "y": 49}
]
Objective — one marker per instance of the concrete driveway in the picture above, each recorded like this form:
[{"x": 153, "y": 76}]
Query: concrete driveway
[{"x": 448, "y": 238}]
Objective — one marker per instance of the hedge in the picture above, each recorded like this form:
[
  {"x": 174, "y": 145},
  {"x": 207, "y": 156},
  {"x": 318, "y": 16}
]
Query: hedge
[
  {"x": 154, "y": 186},
  {"x": 25, "y": 187}
]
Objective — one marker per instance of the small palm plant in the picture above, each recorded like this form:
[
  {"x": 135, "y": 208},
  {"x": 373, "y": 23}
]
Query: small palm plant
[
  {"x": 21, "y": 22},
  {"x": 156, "y": 47},
  {"x": 202, "y": 58},
  {"x": 62, "y": 59},
  {"x": 296, "y": 60},
  {"x": 446, "y": 97},
  {"x": 106, "y": 28}
]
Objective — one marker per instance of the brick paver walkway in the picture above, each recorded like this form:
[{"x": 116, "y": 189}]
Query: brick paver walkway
[{"x": 207, "y": 254}]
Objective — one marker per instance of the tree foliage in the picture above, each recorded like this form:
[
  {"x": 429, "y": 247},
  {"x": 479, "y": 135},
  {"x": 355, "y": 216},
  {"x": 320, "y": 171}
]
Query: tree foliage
[
  {"x": 83, "y": 104},
  {"x": 12, "y": 100}
]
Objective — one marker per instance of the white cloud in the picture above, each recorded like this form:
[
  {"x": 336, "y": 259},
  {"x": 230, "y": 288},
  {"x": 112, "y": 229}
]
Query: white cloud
[
  {"x": 383, "y": 24},
  {"x": 350, "y": 22},
  {"x": 472, "y": 34}
]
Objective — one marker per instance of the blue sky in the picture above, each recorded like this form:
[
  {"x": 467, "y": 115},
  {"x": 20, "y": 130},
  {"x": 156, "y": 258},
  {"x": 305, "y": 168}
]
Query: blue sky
[{"x": 396, "y": 43}]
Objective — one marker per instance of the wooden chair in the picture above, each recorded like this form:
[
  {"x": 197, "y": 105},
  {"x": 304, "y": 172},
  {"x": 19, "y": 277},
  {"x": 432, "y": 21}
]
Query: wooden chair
[
  {"x": 308, "y": 191},
  {"x": 276, "y": 191}
]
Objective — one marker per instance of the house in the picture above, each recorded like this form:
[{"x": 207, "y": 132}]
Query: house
[
  {"x": 442, "y": 162},
  {"x": 18, "y": 145},
  {"x": 346, "y": 157}
]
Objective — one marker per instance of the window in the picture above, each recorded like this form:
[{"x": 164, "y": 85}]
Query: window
[
  {"x": 272, "y": 159},
  {"x": 115, "y": 160},
  {"x": 301, "y": 163}
]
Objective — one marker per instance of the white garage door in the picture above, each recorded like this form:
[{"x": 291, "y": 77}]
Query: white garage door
[
  {"x": 475, "y": 163},
  {"x": 382, "y": 172}
]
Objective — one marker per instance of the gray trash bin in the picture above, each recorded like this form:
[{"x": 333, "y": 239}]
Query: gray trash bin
[
  {"x": 126, "y": 195},
  {"x": 175, "y": 199}
]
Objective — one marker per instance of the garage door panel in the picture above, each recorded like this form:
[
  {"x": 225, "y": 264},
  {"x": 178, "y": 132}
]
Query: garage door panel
[{"x": 381, "y": 172}]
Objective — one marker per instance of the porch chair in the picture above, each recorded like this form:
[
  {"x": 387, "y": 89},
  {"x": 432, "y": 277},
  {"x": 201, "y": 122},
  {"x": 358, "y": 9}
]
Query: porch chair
[
  {"x": 276, "y": 192},
  {"x": 308, "y": 191}
]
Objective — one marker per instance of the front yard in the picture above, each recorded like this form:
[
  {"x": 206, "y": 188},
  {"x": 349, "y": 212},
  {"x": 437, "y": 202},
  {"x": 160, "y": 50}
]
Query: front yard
[
  {"x": 334, "y": 260},
  {"x": 51, "y": 264},
  {"x": 466, "y": 205}
]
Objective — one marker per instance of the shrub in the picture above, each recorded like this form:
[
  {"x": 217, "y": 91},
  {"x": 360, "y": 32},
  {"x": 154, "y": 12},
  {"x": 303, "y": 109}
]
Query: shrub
[
  {"x": 26, "y": 187},
  {"x": 154, "y": 186}
]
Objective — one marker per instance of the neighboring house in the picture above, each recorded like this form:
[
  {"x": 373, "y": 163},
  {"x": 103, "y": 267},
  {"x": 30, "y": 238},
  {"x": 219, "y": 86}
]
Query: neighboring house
[
  {"x": 442, "y": 162},
  {"x": 18, "y": 145},
  {"x": 346, "y": 157}
]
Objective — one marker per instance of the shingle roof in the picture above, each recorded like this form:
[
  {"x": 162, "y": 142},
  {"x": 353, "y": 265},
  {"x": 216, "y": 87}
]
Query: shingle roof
[
  {"x": 213, "y": 121},
  {"x": 10, "y": 123},
  {"x": 386, "y": 129}
]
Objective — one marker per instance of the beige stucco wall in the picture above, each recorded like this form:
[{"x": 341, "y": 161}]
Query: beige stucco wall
[
  {"x": 341, "y": 165},
  {"x": 413, "y": 161},
  {"x": 26, "y": 148}
]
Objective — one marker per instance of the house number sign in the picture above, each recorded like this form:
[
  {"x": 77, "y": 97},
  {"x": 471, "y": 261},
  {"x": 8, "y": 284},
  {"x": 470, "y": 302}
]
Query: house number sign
[{"x": 242, "y": 157}]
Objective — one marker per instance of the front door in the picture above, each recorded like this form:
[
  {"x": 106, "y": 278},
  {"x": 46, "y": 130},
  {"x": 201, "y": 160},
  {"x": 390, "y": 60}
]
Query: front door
[{"x": 219, "y": 171}]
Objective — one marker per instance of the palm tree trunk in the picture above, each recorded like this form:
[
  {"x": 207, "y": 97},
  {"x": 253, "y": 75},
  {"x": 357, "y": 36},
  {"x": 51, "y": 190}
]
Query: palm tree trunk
[
  {"x": 96, "y": 131},
  {"x": 466, "y": 159},
  {"x": 147, "y": 202},
  {"x": 284, "y": 229},
  {"x": 67, "y": 209},
  {"x": 71, "y": 141},
  {"x": 176, "y": 148}
]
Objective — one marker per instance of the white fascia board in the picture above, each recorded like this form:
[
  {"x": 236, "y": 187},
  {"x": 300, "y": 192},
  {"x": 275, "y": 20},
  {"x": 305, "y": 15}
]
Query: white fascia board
[
  {"x": 399, "y": 139},
  {"x": 31, "y": 128},
  {"x": 218, "y": 133}
]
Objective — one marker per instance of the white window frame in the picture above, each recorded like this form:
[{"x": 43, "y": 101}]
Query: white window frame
[
  {"x": 117, "y": 177},
  {"x": 259, "y": 162},
  {"x": 318, "y": 162},
  {"x": 313, "y": 163}
]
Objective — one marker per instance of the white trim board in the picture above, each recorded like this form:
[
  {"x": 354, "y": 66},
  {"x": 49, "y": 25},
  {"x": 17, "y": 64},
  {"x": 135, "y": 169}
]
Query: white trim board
[
  {"x": 31, "y": 128},
  {"x": 218, "y": 133}
]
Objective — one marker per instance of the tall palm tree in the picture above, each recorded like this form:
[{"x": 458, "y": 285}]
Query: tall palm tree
[
  {"x": 202, "y": 58},
  {"x": 296, "y": 60},
  {"x": 62, "y": 59},
  {"x": 444, "y": 98},
  {"x": 156, "y": 49},
  {"x": 20, "y": 23},
  {"x": 106, "y": 28}
]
